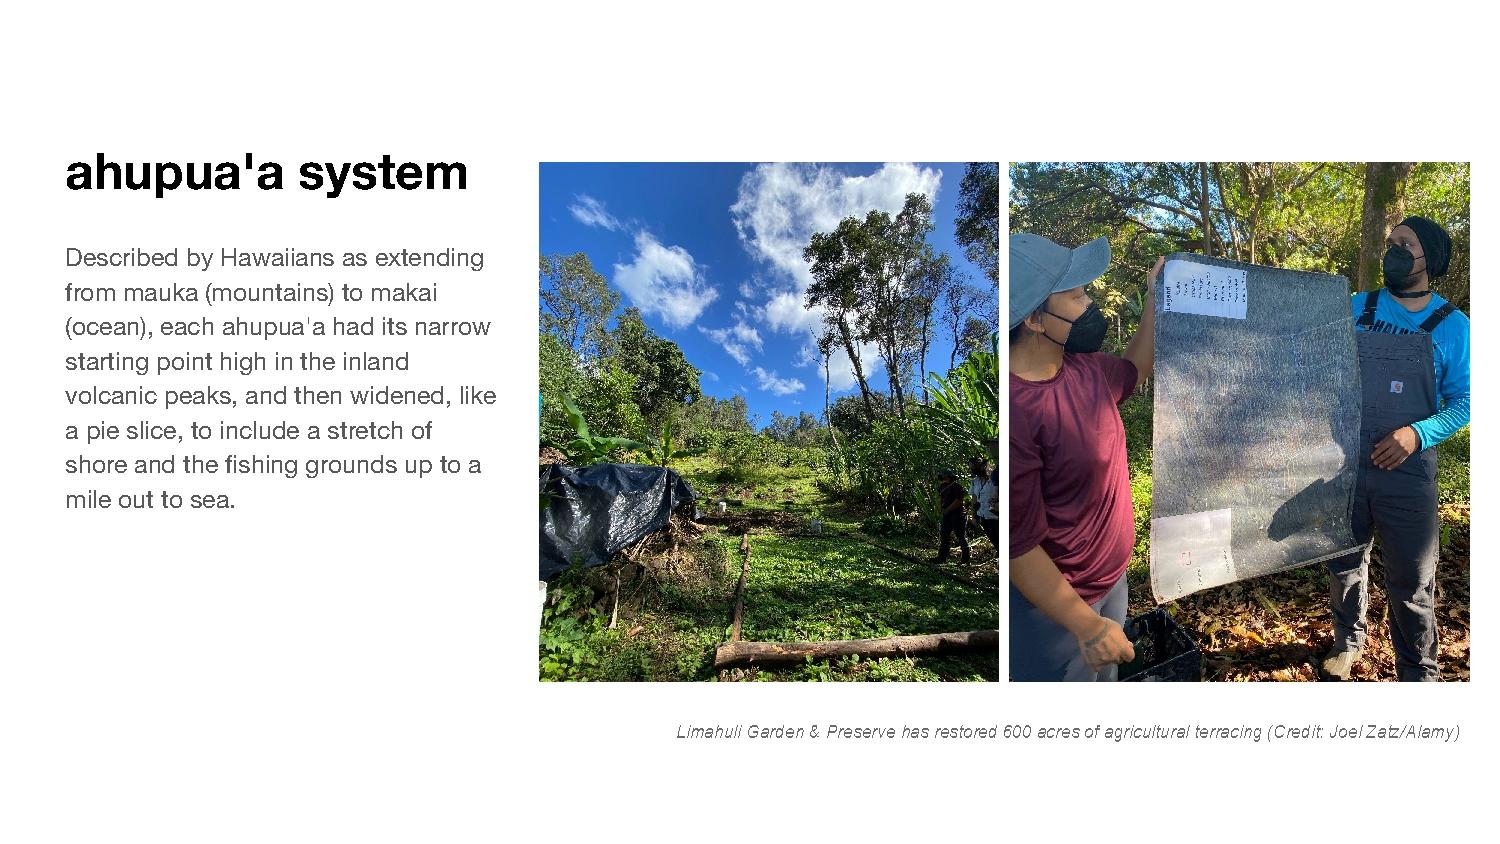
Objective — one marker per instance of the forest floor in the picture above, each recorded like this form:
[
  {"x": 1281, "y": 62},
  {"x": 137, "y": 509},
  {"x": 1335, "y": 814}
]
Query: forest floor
[
  {"x": 1279, "y": 627},
  {"x": 841, "y": 584}
]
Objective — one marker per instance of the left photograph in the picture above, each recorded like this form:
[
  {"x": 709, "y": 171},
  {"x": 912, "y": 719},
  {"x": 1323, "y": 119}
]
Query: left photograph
[{"x": 768, "y": 410}]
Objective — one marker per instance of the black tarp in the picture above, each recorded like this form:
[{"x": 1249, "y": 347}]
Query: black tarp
[{"x": 594, "y": 513}]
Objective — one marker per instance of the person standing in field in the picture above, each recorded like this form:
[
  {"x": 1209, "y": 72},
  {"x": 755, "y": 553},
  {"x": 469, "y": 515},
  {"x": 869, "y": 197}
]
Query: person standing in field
[
  {"x": 1413, "y": 352},
  {"x": 984, "y": 488},
  {"x": 1072, "y": 523},
  {"x": 979, "y": 475},
  {"x": 951, "y": 503}
]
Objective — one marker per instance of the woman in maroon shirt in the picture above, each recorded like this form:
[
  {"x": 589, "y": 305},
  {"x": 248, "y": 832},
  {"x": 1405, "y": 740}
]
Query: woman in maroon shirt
[{"x": 1072, "y": 526}]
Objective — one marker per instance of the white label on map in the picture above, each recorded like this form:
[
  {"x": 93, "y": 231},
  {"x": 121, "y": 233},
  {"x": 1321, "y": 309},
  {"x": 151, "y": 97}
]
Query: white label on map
[
  {"x": 1192, "y": 288},
  {"x": 1190, "y": 553}
]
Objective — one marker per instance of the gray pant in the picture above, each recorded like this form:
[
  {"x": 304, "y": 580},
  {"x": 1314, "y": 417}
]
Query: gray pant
[
  {"x": 1043, "y": 650},
  {"x": 1402, "y": 508}
]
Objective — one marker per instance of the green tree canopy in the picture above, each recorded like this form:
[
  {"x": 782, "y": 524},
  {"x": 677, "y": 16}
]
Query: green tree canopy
[
  {"x": 977, "y": 227},
  {"x": 663, "y": 377},
  {"x": 576, "y": 303}
]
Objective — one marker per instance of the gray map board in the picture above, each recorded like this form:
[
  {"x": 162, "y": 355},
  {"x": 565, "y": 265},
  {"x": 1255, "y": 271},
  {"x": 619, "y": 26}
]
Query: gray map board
[{"x": 1255, "y": 422}]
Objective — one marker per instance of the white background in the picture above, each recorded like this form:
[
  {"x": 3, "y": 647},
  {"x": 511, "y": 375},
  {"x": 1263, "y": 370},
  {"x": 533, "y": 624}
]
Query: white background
[{"x": 354, "y": 661}]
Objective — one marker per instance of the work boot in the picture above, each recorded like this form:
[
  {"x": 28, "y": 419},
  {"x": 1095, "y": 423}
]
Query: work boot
[{"x": 1339, "y": 663}]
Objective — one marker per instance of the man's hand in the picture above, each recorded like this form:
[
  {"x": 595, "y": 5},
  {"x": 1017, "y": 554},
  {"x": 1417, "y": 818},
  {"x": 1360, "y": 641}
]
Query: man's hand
[
  {"x": 1107, "y": 646},
  {"x": 1395, "y": 448}
]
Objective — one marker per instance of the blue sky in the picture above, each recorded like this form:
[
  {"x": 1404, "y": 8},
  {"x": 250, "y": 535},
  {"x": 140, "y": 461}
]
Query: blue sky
[{"x": 712, "y": 255}]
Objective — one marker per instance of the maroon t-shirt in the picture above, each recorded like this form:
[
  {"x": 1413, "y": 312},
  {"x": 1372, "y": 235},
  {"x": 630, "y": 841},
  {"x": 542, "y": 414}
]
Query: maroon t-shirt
[{"x": 1069, "y": 479}]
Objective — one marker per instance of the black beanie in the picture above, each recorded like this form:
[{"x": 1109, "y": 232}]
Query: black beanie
[{"x": 1436, "y": 244}]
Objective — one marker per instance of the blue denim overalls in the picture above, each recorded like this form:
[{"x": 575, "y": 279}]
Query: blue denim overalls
[{"x": 1399, "y": 387}]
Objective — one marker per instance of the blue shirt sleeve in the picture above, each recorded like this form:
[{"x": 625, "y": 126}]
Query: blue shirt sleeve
[{"x": 1451, "y": 350}]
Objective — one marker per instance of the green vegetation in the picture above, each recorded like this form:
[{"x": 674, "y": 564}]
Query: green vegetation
[
  {"x": 1325, "y": 217},
  {"x": 804, "y": 486},
  {"x": 1301, "y": 216},
  {"x": 800, "y": 588},
  {"x": 585, "y": 449},
  {"x": 1453, "y": 470}
]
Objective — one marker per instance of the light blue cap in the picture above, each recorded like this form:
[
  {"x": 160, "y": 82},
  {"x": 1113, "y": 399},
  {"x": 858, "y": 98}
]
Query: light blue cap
[{"x": 1039, "y": 268}]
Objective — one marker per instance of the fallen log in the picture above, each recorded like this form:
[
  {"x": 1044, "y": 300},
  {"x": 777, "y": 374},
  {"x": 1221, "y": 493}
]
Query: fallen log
[{"x": 784, "y": 653}]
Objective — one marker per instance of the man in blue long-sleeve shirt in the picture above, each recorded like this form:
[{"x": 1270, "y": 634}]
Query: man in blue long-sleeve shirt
[{"x": 1414, "y": 373}]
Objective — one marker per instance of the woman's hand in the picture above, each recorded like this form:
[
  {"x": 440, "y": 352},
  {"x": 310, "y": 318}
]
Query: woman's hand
[
  {"x": 1141, "y": 350},
  {"x": 1107, "y": 646}
]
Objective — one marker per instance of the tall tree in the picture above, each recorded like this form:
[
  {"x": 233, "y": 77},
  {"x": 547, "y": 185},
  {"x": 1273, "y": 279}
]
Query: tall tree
[
  {"x": 837, "y": 260},
  {"x": 936, "y": 278},
  {"x": 893, "y": 258},
  {"x": 975, "y": 337},
  {"x": 962, "y": 304},
  {"x": 825, "y": 351},
  {"x": 977, "y": 226},
  {"x": 576, "y": 303},
  {"x": 1384, "y": 206},
  {"x": 663, "y": 377}
]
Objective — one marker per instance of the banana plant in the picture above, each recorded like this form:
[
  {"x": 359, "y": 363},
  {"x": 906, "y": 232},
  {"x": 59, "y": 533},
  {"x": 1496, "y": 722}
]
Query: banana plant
[
  {"x": 586, "y": 449},
  {"x": 964, "y": 407},
  {"x": 662, "y": 453}
]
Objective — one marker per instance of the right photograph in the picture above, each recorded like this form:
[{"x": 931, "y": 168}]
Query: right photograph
[{"x": 1239, "y": 421}]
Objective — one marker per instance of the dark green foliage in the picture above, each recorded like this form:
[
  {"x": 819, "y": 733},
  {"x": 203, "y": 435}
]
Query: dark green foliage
[
  {"x": 977, "y": 228},
  {"x": 576, "y": 304},
  {"x": 664, "y": 451},
  {"x": 964, "y": 411},
  {"x": 663, "y": 379},
  {"x": 803, "y": 430},
  {"x": 1303, "y": 216},
  {"x": 569, "y": 624},
  {"x": 883, "y": 525},
  {"x": 604, "y": 394},
  {"x": 849, "y": 416},
  {"x": 1453, "y": 468},
  {"x": 586, "y": 449}
]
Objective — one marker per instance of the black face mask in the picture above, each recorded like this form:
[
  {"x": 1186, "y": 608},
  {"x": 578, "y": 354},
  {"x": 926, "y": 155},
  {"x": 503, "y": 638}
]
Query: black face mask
[
  {"x": 1087, "y": 333},
  {"x": 1397, "y": 269}
]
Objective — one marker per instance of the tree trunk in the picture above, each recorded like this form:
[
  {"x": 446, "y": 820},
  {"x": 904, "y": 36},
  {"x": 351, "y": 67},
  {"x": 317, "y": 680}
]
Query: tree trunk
[
  {"x": 1234, "y": 236},
  {"x": 827, "y": 411},
  {"x": 893, "y": 373},
  {"x": 1385, "y": 202},
  {"x": 859, "y": 372},
  {"x": 1251, "y": 187},
  {"x": 922, "y": 355},
  {"x": 788, "y": 653},
  {"x": 1204, "y": 212}
]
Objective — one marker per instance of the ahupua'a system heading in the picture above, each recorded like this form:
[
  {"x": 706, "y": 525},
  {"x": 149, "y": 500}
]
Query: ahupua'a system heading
[{"x": 329, "y": 177}]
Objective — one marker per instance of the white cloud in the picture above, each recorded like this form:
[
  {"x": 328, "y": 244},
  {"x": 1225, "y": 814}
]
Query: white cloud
[
  {"x": 783, "y": 311},
  {"x": 665, "y": 281},
  {"x": 710, "y": 375},
  {"x": 777, "y": 210},
  {"x": 737, "y": 339},
  {"x": 590, "y": 212},
  {"x": 841, "y": 369},
  {"x": 807, "y": 355},
  {"x": 780, "y": 206},
  {"x": 779, "y": 386}
]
